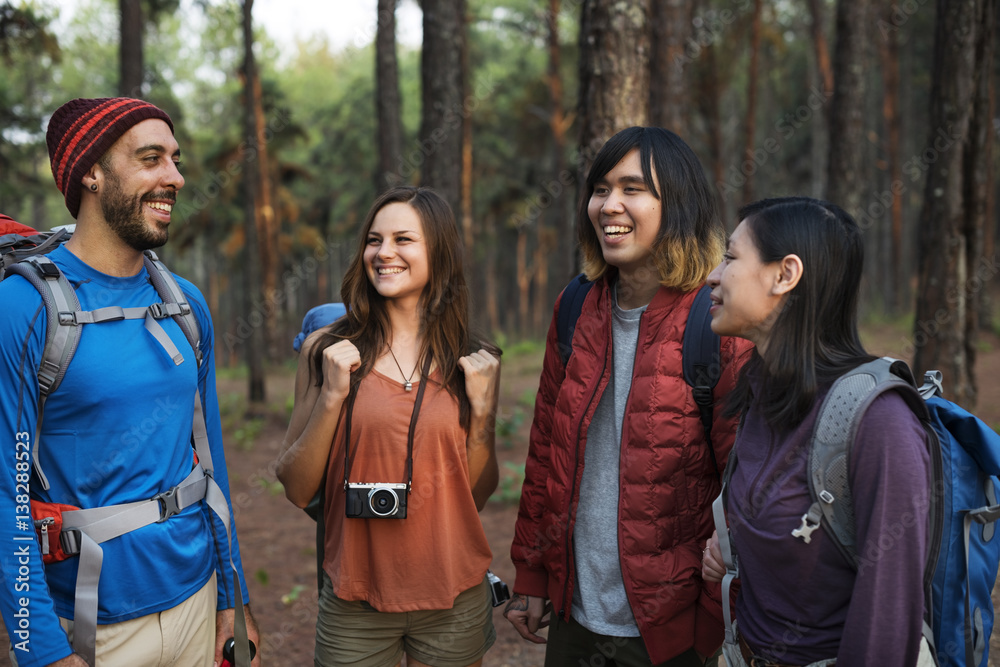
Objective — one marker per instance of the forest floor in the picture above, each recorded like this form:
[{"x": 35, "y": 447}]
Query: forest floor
[{"x": 277, "y": 539}]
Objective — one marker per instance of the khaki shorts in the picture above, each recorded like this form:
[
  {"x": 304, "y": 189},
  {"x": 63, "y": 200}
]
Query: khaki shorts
[
  {"x": 355, "y": 633},
  {"x": 182, "y": 635}
]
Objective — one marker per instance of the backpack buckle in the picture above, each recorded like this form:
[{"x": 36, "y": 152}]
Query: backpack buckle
[
  {"x": 48, "y": 269},
  {"x": 69, "y": 540},
  {"x": 702, "y": 394},
  {"x": 168, "y": 504}
]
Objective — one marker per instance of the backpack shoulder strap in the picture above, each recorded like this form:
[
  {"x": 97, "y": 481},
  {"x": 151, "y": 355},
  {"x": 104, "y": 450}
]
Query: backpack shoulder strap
[
  {"x": 62, "y": 334},
  {"x": 168, "y": 289},
  {"x": 570, "y": 306},
  {"x": 701, "y": 359},
  {"x": 833, "y": 437}
]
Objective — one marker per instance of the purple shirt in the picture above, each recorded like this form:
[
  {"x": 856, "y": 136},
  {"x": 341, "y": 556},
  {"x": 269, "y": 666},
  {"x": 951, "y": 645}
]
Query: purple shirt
[{"x": 797, "y": 601}]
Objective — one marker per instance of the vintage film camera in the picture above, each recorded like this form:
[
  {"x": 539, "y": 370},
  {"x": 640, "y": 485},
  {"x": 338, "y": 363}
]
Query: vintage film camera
[
  {"x": 498, "y": 589},
  {"x": 376, "y": 501}
]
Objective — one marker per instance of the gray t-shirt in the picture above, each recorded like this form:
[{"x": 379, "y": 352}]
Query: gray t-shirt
[{"x": 599, "y": 600}]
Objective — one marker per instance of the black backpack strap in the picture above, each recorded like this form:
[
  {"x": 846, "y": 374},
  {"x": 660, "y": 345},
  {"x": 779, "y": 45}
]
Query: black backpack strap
[
  {"x": 702, "y": 360},
  {"x": 570, "y": 306}
]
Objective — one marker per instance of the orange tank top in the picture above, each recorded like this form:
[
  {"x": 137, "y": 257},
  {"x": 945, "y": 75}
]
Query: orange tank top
[{"x": 440, "y": 549}]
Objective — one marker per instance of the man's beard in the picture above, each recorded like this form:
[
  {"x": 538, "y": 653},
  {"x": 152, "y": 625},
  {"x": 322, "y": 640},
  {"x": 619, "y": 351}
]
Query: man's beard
[{"x": 125, "y": 216}]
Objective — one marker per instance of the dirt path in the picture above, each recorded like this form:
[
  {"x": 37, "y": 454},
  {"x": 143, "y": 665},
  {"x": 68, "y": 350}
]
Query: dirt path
[{"x": 278, "y": 539}]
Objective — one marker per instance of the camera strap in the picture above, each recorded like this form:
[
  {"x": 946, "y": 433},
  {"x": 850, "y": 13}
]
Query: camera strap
[{"x": 409, "y": 436}]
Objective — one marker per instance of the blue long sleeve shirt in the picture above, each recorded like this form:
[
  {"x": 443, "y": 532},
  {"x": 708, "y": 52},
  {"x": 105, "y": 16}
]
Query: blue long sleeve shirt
[{"x": 117, "y": 430}]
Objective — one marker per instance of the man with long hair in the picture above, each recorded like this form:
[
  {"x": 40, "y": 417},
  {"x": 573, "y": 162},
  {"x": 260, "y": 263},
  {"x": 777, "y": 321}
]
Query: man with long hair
[{"x": 616, "y": 503}]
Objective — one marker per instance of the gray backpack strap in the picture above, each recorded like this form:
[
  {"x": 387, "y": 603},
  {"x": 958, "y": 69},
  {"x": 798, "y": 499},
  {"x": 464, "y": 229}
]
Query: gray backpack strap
[
  {"x": 170, "y": 292},
  {"x": 62, "y": 336},
  {"x": 730, "y": 647},
  {"x": 832, "y": 440}
]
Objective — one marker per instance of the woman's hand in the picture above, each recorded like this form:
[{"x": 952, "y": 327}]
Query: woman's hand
[
  {"x": 712, "y": 567},
  {"x": 339, "y": 361},
  {"x": 482, "y": 382},
  {"x": 482, "y": 386}
]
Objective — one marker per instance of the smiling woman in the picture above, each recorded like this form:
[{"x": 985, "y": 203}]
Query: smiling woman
[{"x": 405, "y": 471}]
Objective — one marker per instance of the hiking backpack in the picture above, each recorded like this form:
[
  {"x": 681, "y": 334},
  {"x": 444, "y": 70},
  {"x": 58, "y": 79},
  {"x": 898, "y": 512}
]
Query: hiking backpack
[
  {"x": 700, "y": 350},
  {"x": 80, "y": 532},
  {"x": 965, "y": 463}
]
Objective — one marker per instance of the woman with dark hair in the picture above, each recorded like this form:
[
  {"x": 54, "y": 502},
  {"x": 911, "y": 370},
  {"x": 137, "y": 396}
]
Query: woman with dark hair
[
  {"x": 620, "y": 477},
  {"x": 395, "y": 408},
  {"x": 789, "y": 282}
]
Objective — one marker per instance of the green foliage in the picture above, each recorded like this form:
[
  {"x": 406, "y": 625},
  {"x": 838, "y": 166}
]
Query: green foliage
[
  {"x": 262, "y": 577},
  {"x": 511, "y": 479},
  {"x": 527, "y": 398},
  {"x": 246, "y": 434},
  {"x": 293, "y": 595},
  {"x": 528, "y": 347},
  {"x": 507, "y": 426}
]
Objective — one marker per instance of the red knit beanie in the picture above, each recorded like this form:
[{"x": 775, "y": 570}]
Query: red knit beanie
[{"x": 81, "y": 132}]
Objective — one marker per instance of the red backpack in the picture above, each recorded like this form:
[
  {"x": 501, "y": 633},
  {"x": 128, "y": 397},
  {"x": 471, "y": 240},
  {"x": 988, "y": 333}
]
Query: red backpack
[{"x": 18, "y": 241}]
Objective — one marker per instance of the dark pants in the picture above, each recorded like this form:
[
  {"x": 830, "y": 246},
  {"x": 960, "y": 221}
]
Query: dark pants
[{"x": 572, "y": 645}]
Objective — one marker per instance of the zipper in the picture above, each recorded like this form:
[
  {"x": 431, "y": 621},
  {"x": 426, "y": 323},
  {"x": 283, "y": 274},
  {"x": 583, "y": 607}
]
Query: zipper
[
  {"x": 43, "y": 526},
  {"x": 567, "y": 601}
]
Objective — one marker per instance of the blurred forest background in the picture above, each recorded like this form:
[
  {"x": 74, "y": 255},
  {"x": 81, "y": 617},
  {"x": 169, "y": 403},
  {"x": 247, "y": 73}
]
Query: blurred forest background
[{"x": 886, "y": 107}]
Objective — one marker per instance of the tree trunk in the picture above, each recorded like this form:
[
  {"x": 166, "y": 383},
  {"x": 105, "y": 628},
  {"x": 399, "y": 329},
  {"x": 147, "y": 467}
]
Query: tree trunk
[
  {"x": 490, "y": 282},
  {"x": 614, "y": 71},
  {"x": 671, "y": 29},
  {"x": 540, "y": 303},
  {"x": 824, "y": 72},
  {"x": 130, "y": 49},
  {"x": 889, "y": 56},
  {"x": 523, "y": 281},
  {"x": 847, "y": 127},
  {"x": 387, "y": 100},
  {"x": 751, "y": 117},
  {"x": 443, "y": 114},
  {"x": 251, "y": 183},
  {"x": 709, "y": 105},
  {"x": 943, "y": 301},
  {"x": 978, "y": 186},
  {"x": 821, "y": 49},
  {"x": 983, "y": 165},
  {"x": 267, "y": 225},
  {"x": 474, "y": 278},
  {"x": 566, "y": 238}
]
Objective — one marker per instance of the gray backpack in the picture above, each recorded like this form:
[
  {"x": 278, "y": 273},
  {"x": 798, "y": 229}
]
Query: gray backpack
[{"x": 84, "y": 530}]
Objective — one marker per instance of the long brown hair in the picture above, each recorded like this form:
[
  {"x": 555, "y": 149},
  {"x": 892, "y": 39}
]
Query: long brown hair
[{"x": 444, "y": 304}]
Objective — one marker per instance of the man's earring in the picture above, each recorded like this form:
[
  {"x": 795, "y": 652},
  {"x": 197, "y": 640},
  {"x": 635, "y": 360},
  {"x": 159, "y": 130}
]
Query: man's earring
[{"x": 94, "y": 187}]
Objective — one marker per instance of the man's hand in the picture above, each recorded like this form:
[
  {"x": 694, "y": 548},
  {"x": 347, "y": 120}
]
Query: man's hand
[
  {"x": 224, "y": 620},
  {"x": 525, "y": 613},
  {"x": 74, "y": 660}
]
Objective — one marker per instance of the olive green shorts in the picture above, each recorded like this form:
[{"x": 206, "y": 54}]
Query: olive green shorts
[{"x": 355, "y": 633}]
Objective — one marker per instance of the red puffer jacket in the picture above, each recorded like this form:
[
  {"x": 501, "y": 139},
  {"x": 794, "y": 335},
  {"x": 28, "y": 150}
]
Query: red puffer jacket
[{"x": 667, "y": 480}]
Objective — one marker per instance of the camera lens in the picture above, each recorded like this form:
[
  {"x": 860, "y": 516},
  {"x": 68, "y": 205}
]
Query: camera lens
[{"x": 383, "y": 502}]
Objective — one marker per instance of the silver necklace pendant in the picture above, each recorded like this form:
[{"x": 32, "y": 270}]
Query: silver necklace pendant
[{"x": 408, "y": 386}]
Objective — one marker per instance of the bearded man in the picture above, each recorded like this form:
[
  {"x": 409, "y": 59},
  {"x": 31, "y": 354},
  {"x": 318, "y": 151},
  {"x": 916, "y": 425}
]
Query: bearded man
[{"x": 142, "y": 512}]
